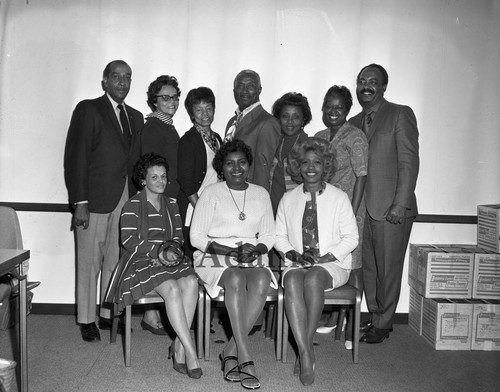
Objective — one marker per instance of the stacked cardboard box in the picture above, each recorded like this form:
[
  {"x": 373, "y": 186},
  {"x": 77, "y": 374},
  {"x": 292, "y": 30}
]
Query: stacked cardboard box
[{"x": 454, "y": 296}]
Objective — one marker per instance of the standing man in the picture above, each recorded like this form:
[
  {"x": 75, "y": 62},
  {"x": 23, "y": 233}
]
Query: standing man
[
  {"x": 391, "y": 205},
  {"x": 253, "y": 125},
  {"x": 101, "y": 149}
]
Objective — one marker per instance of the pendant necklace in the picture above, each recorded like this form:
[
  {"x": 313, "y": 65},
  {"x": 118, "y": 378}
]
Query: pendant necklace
[{"x": 242, "y": 215}]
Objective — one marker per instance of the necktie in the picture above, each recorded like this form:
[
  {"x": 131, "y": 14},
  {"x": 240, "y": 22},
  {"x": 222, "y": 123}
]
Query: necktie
[
  {"x": 125, "y": 126},
  {"x": 367, "y": 122},
  {"x": 232, "y": 128}
]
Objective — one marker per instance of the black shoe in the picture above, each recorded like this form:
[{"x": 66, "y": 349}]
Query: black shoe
[
  {"x": 90, "y": 332},
  {"x": 106, "y": 324},
  {"x": 367, "y": 325},
  {"x": 375, "y": 335},
  {"x": 156, "y": 331},
  {"x": 255, "y": 329}
]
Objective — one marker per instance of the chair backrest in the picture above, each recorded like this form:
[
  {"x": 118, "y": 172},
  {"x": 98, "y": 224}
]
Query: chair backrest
[{"x": 10, "y": 230}]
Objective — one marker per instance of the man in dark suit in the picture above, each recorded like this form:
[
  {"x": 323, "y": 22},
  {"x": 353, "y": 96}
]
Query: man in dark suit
[
  {"x": 101, "y": 149},
  {"x": 253, "y": 125},
  {"x": 393, "y": 164}
]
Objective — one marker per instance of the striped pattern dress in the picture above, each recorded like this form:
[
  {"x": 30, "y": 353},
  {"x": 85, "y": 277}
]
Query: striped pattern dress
[{"x": 139, "y": 270}]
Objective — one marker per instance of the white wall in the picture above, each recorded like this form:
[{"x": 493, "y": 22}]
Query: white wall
[{"x": 442, "y": 57}]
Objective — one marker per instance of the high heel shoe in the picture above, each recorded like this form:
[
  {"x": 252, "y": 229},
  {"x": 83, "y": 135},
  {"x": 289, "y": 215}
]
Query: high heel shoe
[
  {"x": 307, "y": 378},
  {"x": 194, "y": 373},
  {"x": 296, "y": 368},
  {"x": 233, "y": 374},
  {"x": 245, "y": 376},
  {"x": 179, "y": 367}
]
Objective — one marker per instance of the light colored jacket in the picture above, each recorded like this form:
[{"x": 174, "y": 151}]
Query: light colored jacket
[{"x": 337, "y": 228}]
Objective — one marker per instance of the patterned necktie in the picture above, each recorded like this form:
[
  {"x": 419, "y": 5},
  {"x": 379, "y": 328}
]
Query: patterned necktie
[
  {"x": 125, "y": 126},
  {"x": 232, "y": 128},
  {"x": 367, "y": 122}
]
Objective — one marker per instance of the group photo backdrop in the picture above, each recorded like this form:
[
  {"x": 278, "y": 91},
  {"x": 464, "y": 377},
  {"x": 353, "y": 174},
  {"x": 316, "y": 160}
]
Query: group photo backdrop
[{"x": 441, "y": 55}]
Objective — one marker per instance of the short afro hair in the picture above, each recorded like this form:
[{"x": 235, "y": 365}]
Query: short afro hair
[{"x": 235, "y": 145}]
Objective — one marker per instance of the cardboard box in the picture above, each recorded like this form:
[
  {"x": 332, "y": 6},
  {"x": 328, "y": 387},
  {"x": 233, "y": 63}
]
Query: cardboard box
[
  {"x": 488, "y": 227},
  {"x": 441, "y": 271},
  {"x": 447, "y": 324},
  {"x": 486, "y": 326},
  {"x": 486, "y": 276},
  {"x": 415, "y": 311}
]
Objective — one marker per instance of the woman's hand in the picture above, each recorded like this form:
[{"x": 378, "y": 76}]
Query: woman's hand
[
  {"x": 297, "y": 258},
  {"x": 248, "y": 253},
  {"x": 171, "y": 253}
]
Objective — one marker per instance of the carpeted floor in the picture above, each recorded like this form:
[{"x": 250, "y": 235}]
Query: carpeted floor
[{"x": 60, "y": 361}]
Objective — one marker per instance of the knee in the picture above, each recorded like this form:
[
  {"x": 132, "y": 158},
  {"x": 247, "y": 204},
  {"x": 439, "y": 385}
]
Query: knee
[
  {"x": 189, "y": 283},
  {"x": 234, "y": 280},
  {"x": 170, "y": 289},
  {"x": 315, "y": 277},
  {"x": 292, "y": 281}
]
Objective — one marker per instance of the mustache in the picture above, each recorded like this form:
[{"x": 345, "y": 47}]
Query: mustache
[{"x": 367, "y": 90}]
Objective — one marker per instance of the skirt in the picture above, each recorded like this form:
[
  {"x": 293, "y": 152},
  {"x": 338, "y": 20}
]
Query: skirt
[{"x": 142, "y": 276}]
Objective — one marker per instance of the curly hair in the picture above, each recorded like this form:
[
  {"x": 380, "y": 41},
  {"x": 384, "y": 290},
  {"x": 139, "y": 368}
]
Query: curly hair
[
  {"x": 319, "y": 146},
  {"x": 293, "y": 99},
  {"x": 197, "y": 96},
  {"x": 143, "y": 164},
  {"x": 155, "y": 87},
  {"x": 385, "y": 75},
  {"x": 235, "y": 145},
  {"x": 341, "y": 91}
]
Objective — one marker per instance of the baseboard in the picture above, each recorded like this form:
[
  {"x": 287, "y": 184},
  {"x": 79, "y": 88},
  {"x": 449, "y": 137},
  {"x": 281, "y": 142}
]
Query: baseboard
[{"x": 70, "y": 309}]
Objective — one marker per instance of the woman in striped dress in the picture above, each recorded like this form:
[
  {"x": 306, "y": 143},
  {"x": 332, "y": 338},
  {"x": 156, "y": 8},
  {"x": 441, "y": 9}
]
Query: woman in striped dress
[{"x": 152, "y": 259}]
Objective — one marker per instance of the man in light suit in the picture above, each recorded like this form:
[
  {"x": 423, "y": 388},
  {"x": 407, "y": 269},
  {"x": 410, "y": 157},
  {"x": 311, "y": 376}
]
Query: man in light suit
[
  {"x": 101, "y": 149},
  {"x": 391, "y": 205},
  {"x": 255, "y": 126}
]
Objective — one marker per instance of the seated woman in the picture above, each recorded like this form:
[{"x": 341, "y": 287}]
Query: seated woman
[
  {"x": 152, "y": 259},
  {"x": 233, "y": 221},
  {"x": 316, "y": 231}
]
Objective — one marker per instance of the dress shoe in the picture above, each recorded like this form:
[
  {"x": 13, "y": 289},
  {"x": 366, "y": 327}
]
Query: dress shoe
[
  {"x": 106, "y": 324},
  {"x": 178, "y": 367},
  {"x": 29, "y": 286},
  {"x": 159, "y": 330},
  {"x": 375, "y": 335},
  {"x": 366, "y": 326},
  {"x": 348, "y": 344},
  {"x": 90, "y": 332}
]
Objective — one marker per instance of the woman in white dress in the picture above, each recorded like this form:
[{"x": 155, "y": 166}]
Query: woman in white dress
[
  {"x": 233, "y": 228},
  {"x": 316, "y": 231}
]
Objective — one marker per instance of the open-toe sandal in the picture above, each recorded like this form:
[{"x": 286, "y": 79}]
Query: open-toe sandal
[
  {"x": 233, "y": 374},
  {"x": 245, "y": 376}
]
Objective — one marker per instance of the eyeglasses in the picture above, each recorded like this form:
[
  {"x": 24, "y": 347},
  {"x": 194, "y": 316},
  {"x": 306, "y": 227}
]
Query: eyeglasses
[{"x": 168, "y": 98}]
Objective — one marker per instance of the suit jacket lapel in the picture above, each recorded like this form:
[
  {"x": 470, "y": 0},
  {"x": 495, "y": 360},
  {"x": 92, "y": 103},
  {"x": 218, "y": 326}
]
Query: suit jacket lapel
[
  {"x": 248, "y": 119},
  {"x": 378, "y": 118}
]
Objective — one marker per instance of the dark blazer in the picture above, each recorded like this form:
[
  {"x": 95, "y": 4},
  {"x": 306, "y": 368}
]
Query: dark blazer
[
  {"x": 261, "y": 131},
  {"x": 96, "y": 158},
  {"x": 192, "y": 167},
  {"x": 163, "y": 139},
  {"x": 393, "y": 160}
]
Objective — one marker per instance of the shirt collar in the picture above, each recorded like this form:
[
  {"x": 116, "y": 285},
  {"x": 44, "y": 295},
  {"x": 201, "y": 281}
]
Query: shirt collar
[
  {"x": 247, "y": 110},
  {"x": 114, "y": 103}
]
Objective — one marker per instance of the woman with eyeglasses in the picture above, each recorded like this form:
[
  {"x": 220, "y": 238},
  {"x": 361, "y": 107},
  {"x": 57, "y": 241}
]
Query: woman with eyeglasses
[{"x": 159, "y": 135}]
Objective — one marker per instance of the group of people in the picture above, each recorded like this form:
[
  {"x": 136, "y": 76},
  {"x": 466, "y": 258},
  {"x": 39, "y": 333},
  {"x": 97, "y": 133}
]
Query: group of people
[{"x": 155, "y": 212}]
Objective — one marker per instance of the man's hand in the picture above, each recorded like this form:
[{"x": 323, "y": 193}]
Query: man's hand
[
  {"x": 395, "y": 214},
  {"x": 81, "y": 216}
]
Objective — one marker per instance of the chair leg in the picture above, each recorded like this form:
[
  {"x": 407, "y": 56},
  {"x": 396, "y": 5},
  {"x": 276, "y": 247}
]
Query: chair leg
[
  {"x": 199, "y": 323},
  {"x": 268, "y": 332},
  {"x": 284, "y": 345},
  {"x": 340, "y": 323},
  {"x": 114, "y": 326},
  {"x": 357, "y": 318},
  {"x": 206, "y": 328},
  {"x": 279, "y": 328},
  {"x": 128, "y": 327}
]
